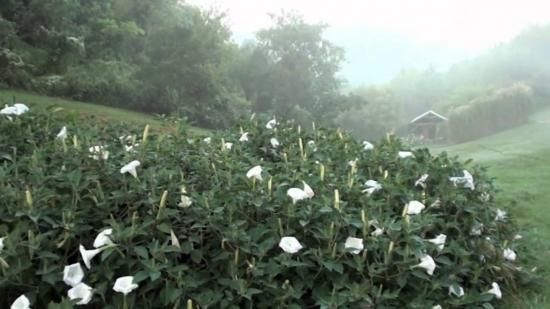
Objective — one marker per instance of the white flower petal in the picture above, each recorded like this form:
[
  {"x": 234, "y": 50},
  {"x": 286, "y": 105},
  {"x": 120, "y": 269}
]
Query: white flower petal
[
  {"x": 501, "y": 215},
  {"x": 296, "y": 194},
  {"x": 185, "y": 202},
  {"x": 421, "y": 181},
  {"x": 88, "y": 255},
  {"x": 62, "y": 134},
  {"x": 16, "y": 110},
  {"x": 428, "y": 264},
  {"x": 255, "y": 172},
  {"x": 377, "y": 232},
  {"x": 103, "y": 238},
  {"x": 307, "y": 190},
  {"x": 274, "y": 142},
  {"x": 290, "y": 244},
  {"x": 439, "y": 241},
  {"x": 415, "y": 207},
  {"x": 174, "y": 239},
  {"x": 22, "y": 302},
  {"x": 244, "y": 137},
  {"x": 495, "y": 290},
  {"x": 207, "y": 140},
  {"x": 125, "y": 285},
  {"x": 367, "y": 145},
  {"x": 509, "y": 254},
  {"x": 83, "y": 292},
  {"x": 130, "y": 168},
  {"x": 467, "y": 181},
  {"x": 271, "y": 124},
  {"x": 73, "y": 274},
  {"x": 2, "y": 243},
  {"x": 354, "y": 245},
  {"x": 405, "y": 154},
  {"x": 372, "y": 186},
  {"x": 227, "y": 146},
  {"x": 98, "y": 153}
]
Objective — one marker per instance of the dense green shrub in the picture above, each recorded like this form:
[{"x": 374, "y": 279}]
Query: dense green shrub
[
  {"x": 222, "y": 250},
  {"x": 503, "y": 109}
]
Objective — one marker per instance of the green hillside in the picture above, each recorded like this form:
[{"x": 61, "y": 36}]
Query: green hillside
[
  {"x": 104, "y": 113},
  {"x": 519, "y": 159}
]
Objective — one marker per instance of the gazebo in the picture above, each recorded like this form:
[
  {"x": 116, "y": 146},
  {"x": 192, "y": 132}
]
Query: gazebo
[{"x": 427, "y": 126}]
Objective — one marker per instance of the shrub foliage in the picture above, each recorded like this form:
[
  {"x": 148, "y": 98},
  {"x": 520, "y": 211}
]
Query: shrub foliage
[{"x": 224, "y": 249}]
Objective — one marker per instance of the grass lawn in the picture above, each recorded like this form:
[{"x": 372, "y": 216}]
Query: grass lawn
[
  {"x": 100, "y": 111},
  {"x": 519, "y": 159}
]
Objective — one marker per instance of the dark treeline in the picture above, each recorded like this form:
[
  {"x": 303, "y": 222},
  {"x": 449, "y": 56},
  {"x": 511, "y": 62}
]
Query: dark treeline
[
  {"x": 163, "y": 56},
  {"x": 492, "y": 92}
]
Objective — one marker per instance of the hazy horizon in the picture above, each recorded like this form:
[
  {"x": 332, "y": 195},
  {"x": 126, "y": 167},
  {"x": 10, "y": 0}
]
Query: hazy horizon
[{"x": 381, "y": 38}]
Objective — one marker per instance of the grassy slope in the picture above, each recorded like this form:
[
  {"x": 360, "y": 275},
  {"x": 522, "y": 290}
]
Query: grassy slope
[
  {"x": 519, "y": 159},
  {"x": 102, "y": 112}
]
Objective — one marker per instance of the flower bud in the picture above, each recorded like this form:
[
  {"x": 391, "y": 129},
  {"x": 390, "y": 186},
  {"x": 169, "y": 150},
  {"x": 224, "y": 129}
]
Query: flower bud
[
  {"x": 28, "y": 197},
  {"x": 75, "y": 141},
  {"x": 145, "y": 134},
  {"x": 336, "y": 199}
]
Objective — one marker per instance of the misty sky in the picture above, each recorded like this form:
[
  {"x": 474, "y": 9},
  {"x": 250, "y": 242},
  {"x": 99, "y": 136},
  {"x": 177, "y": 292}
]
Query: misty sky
[{"x": 381, "y": 37}]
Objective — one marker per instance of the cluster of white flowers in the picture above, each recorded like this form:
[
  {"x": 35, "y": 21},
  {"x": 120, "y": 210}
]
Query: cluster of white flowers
[{"x": 74, "y": 274}]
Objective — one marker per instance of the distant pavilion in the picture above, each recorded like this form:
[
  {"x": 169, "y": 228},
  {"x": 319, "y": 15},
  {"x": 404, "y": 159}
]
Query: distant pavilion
[{"x": 428, "y": 126}]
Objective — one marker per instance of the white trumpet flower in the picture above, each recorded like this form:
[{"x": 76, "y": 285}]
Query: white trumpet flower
[
  {"x": 62, "y": 135},
  {"x": 290, "y": 244},
  {"x": 495, "y": 290},
  {"x": 439, "y": 241},
  {"x": 509, "y": 254},
  {"x": 428, "y": 264},
  {"x": 88, "y": 255},
  {"x": 98, "y": 153},
  {"x": 421, "y": 181},
  {"x": 125, "y": 285},
  {"x": 73, "y": 274},
  {"x": 297, "y": 194},
  {"x": 103, "y": 238},
  {"x": 22, "y": 302},
  {"x": 372, "y": 186},
  {"x": 354, "y": 245},
  {"x": 414, "y": 207},
  {"x": 81, "y": 291},
  {"x": 274, "y": 142},
  {"x": 244, "y": 137},
  {"x": 271, "y": 124},
  {"x": 405, "y": 154},
  {"x": 367, "y": 145},
  {"x": 130, "y": 168},
  {"x": 467, "y": 181},
  {"x": 255, "y": 172}
]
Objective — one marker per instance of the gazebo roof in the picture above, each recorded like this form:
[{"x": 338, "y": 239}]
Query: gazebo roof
[{"x": 429, "y": 116}]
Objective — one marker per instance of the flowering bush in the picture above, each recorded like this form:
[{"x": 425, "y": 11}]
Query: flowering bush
[{"x": 265, "y": 216}]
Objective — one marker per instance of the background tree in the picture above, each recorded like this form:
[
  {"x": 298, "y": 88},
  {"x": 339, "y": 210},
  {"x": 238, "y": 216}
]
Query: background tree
[{"x": 292, "y": 71}]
